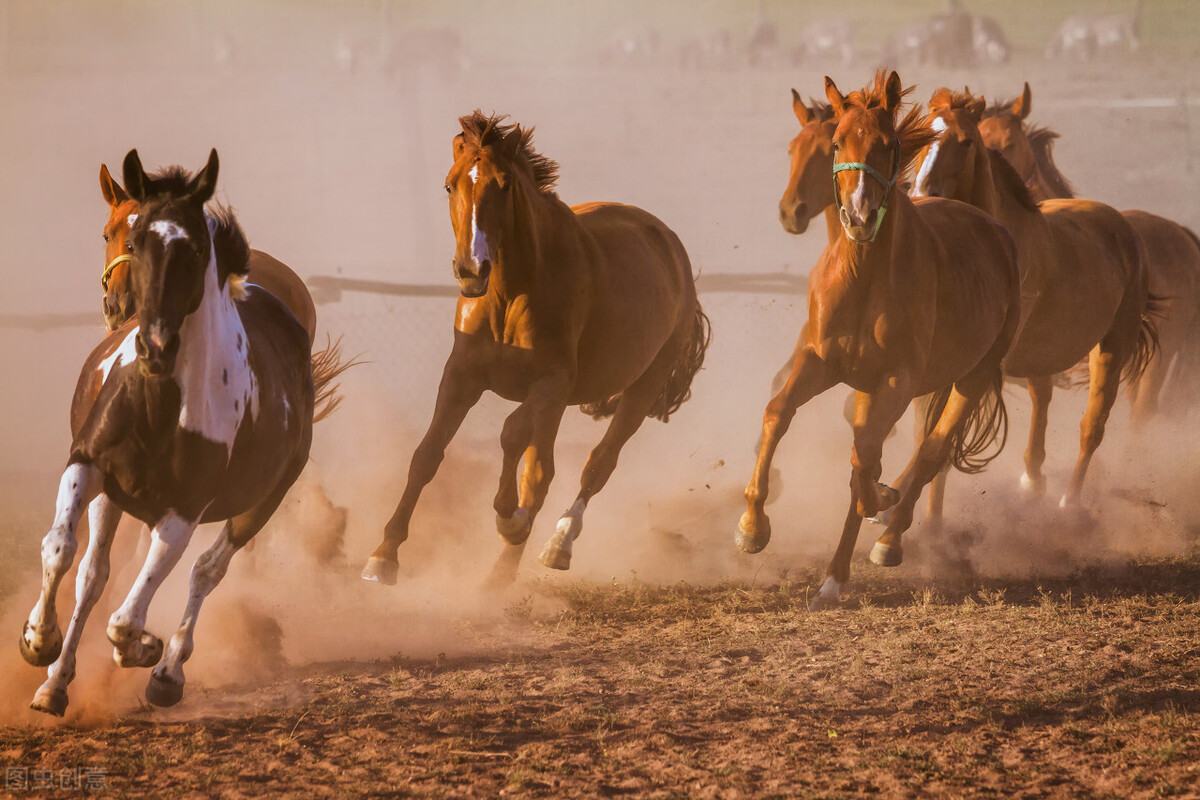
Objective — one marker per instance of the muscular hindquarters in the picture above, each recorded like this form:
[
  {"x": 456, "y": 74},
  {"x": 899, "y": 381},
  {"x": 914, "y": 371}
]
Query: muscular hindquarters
[{"x": 642, "y": 296}]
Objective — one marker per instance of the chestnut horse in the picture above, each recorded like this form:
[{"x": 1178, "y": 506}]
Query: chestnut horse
[
  {"x": 592, "y": 305},
  {"x": 1084, "y": 288},
  {"x": 913, "y": 298},
  {"x": 200, "y": 409},
  {"x": 1172, "y": 251}
]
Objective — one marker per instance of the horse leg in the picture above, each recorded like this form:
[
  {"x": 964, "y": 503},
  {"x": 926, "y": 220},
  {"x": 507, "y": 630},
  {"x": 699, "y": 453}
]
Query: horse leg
[
  {"x": 932, "y": 459},
  {"x": 103, "y": 516},
  {"x": 1105, "y": 369},
  {"x": 874, "y": 417},
  {"x": 809, "y": 377},
  {"x": 635, "y": 403},
  {"x": 838, "y": 572},
  {"x": 133, "y": 646},
  {"x": 166, "y": 681},
  {"x": 457, "y": 393},
  {"x": 1041, "y": 389},
  {"x": 41, "y": 639},
  {"x": 934, "y": 510},
  {"x": 512, "y": 520}
]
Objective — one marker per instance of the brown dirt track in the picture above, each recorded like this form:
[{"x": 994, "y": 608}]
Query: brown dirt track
[{"x": 1026, "y": 654}]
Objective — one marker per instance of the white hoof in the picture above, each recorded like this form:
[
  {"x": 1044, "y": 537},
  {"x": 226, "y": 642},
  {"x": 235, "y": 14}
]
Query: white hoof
[
  {"x": 829, "y": 595},
  {"x": 514, "y": 529},
  {"x": 381, "y": 570},
  {"x": 1033, "y": 486},
  {"x": 557, "y": 553}
]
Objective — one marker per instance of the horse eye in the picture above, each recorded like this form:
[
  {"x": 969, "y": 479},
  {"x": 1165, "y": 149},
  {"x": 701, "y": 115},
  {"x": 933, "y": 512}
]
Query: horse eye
[
  {"x": 447, "y": 187},
  {"x": 129, "y": 246},
  {"x": 105, "y": 238}
]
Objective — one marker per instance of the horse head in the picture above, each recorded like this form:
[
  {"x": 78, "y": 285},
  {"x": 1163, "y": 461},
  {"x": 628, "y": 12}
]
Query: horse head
[
  {"x": 1003, "y": 129},
  {"x": 171, "y": 245},
  {"x": 867, "y": 157},
  {"x": 115, "y": 280},
  {"x": 808, "y": 190},
  {"x": 946, "y": 168}
]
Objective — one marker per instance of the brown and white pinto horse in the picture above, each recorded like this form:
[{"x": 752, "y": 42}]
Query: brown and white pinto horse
[
  {"x": 1172, "y": 251},
  {"x": 198, "y": 410},
  {"x": 592, "y": 305},
  {"x": 1083, "y": 284},
  {"x": 914, "y": 297}
]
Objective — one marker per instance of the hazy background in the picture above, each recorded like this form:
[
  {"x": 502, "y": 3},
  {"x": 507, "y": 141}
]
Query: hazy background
[{"x": 333, "y": 122}]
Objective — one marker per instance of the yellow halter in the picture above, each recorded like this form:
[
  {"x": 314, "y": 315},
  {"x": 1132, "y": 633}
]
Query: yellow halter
[{"x": 104, "y": 276}]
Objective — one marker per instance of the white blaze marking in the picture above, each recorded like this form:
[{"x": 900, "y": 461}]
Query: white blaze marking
[
  {"x": 168, "y": 231},
  {"x": 474, "y": 173},
  {"x": 479, "y": 244},
  {"x": 131, "y": 219},
  {"x": 918, "y": 189},
  {"x": 216, "y": 383},
  {"x": 125, "y": 354}
]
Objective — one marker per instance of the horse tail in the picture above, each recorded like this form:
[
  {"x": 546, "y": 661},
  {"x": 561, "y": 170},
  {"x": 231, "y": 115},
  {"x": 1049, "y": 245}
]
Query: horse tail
[
  {"x": 327, "y": 365},
  {"x": 986, "y": 425},
  {"x": 678, "y": 387},
  {"x": 1186, "y": 375},
  {"x": 1147, "y": 341}
]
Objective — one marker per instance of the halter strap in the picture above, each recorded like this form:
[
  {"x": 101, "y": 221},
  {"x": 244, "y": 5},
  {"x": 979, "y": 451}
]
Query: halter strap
[
  {"x": 104, "y": 276},
  {"x": 887, "y": 185}
]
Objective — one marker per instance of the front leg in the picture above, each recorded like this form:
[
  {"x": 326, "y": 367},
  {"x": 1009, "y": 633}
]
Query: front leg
[
  {"x": 460, "y": 389},
  {"x": 875, "y": 415},
  {"x": 809, "y": 377},
  {"x": 41, "y": 640}
]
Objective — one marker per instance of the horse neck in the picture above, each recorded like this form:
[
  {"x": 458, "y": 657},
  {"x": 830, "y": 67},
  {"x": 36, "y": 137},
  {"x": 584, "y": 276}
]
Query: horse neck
[
  {"x": 516, "y": 268},
  {"x": 832, "y": 226},
  {"x": 213, "y": 365}
]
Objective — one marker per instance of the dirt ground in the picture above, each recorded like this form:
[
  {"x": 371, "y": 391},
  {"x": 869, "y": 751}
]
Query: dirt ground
[{"x": 1021, "y": 653}]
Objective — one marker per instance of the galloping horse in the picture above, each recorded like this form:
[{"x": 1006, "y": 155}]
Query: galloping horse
[
  {"x": 1083, "y": 285},
  {"x": 590, "y": 305},
  {"x": 1172, "y": 251},
  {"x": 200, "y": 409},
  {"x": 913, "y": 297}
]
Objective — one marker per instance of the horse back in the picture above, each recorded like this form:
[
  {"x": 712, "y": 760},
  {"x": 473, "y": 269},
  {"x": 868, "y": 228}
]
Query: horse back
[
  {"x": 278, "y": 278},
  {"x": 1172, "y": 256}
]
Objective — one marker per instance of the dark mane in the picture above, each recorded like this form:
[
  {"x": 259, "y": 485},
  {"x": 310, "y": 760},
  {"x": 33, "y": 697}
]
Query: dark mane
[
  {"x": 997, "y": 108},
  {"x": 171, "y": 181},
  {"x": 1008, "y": 180},
  {"x": 483, "y": 131},
  {"x": 1042, "y": 141},
  {"x": 229, "y": 240},
  {"x": 820, "y": 111},
  {"x": 913, "y": 131}
]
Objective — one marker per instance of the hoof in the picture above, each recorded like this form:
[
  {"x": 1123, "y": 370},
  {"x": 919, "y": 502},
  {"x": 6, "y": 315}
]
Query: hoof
[
  {"x": 381, "y": 570},
  {"x": 1034, "y": 487},
  {"x": 753, "y": 542},
  {"x": 514, "y": 529},
  {"x": 47, "y": 655},
  {"x": 163, "y": 692},
  {"x": 145, "y": 652},
  {"x": 884, "y": 555},
  {"x": 829, "y": 597},
  {"x": 50, "y": 701},
  {"x": 555, "y": 555}
]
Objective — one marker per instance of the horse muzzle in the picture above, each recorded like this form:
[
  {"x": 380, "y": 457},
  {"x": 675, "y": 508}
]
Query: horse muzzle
[
  {"x": 859, "y": 230},
  {"x": 156, "y": 353},
  {"x": 473, "y": 284},
  {"x": 794, "y": 217}
]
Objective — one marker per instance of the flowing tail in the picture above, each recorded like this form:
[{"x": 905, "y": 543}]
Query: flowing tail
[
  {"x": 678, "y": 386},
  {"x": 327, "y": 364},
  {"x": 1185, "y": 378},
  {"x": 986, "y": 425}
]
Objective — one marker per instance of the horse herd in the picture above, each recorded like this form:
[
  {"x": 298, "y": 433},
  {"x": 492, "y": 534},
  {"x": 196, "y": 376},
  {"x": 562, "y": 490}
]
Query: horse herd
[{"x": 198, "y": 405}]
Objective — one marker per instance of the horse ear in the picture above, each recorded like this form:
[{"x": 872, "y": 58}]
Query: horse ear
[
  {"x": 1023, "y": 104},
  {"x": 835, "y": 98},
  {"x": 460, "y": 144},
  {"x": 976, "y": 108},
  {"x": 114, "y": 195},
  {"x": 801, "y": 110},
  {"x": 940, "y": 99},
  {"x": 512, "y": 142},
  {"x": 204, "y": 184},
  {"x": 892, "y": 92},
  {"x": 136, "y": 182}
]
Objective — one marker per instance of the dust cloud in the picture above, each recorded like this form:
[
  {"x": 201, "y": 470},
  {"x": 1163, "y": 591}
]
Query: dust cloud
[{"x": 333, "y": 122}]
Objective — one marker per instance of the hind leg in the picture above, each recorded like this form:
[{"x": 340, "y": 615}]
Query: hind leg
[
  {"x": 932, "y": 458},
  {"x": 635, "y": 403},
  {"x": 103, "y": 516},
  {"x": 1105, "y": 366},
  {"x": 41, "y": 639}
]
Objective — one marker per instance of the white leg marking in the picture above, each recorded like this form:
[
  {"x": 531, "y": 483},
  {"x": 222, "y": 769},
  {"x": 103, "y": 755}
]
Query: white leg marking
[
  {"x": 208, "y": 571},
  {"x": 167, "y": 543},
  {"x": 103, "y": 516},
  {"x": 510, "y": 526},
  {"x": 557, "y": 553},
  {"x": 831, "y": 590},
  {"x": 80, "y": 483}
]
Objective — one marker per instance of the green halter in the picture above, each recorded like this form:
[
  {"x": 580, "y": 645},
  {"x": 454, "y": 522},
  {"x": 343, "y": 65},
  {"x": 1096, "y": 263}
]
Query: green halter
[{"x": 887, "y": 185}]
